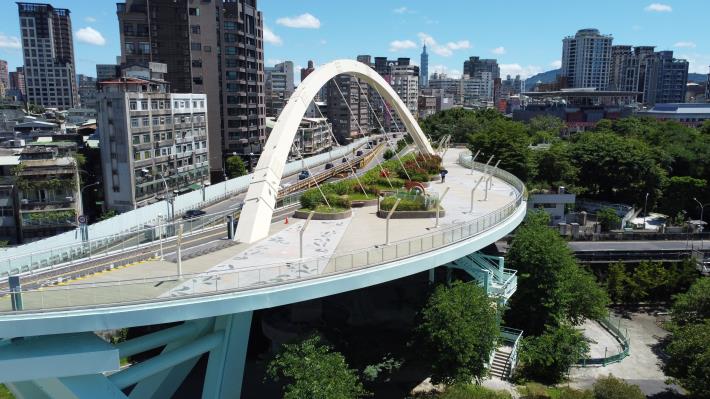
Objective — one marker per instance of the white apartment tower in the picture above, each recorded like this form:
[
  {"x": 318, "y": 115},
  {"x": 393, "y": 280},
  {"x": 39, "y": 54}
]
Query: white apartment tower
[{"x": 586, "y": 59}]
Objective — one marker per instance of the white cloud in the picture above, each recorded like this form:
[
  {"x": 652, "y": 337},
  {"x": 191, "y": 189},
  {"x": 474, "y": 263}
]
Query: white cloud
[
  {"x": 698, "y": 63},
  {"x": 498, "y": 50},
  {"x": 459, "y": 45},
  {"x": 444, "y": 50},
  {"x": 90, "y": 19},
  {"x": 9, "y": 42},
  {"x": 271, "y": 38},
  {"x": 402, "y": 10},
  {"x": 398, "y": 45},
  {"x": 517, "y": 69},
  {"x": 685, "y": 45},
  {"x": 91, "y": 36},
  {"x": 441, "y": 68},
  {"x": 658, "y": 7},
  {"x": 323, "y": 41},
  {"x": 306, "y": 21},
  {"x": 556, "y": 64}
]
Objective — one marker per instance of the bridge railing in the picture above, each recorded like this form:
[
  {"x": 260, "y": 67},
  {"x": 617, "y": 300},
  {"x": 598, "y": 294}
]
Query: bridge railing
[
  {"x": 69, "y": 246},
  {"x": 218, "y": 282}
]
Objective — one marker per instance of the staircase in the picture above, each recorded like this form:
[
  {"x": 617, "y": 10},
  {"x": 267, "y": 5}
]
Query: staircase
[{"x": 500, "y": 363}]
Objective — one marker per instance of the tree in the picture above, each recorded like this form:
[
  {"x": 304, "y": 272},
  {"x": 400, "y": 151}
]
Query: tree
[
  {"x": 547, "y": 357},
  {"x": 679, "y": 192},
  {"x": 507, "y": 141},
  {"x": 471, "y": 391},
  {"x": 608, "y": 218},
  {"x": 616, "y": 282},
  {"x": 545, "y": 128},
  {"x": 694, "y": 305},
  {"x": 688, "y": 360},
  {"x": 552, "y": 288},
  {"x": 553, "y": 166},
  {"x": 611, "y": 387},
  {"x": 388, "y": 154},
  {"x": 616, "y": 168},
  {"x": 235, "y": 167},
  {"x": 312, "y": 370},
  {"x": 458, "y": 332}
]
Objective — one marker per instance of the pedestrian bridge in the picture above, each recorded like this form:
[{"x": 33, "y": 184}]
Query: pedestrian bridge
[{"x": 48, "y": 346}]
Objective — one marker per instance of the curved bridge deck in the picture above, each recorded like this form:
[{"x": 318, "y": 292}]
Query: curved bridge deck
[{"x": 330, "y": 248}]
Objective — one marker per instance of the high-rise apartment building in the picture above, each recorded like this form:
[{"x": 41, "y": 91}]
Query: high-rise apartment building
[
  {"x": 350, "y": 118},
  {"x": 658, "y": 76},
  {"x": 211, "y": 47},
  {"x": 624, "y": 69},
  {"x": 475, "y": 90},
  {"x": 107, "y": 72},
  {"x": 474, "y": 66},
  {"x": 153, "y": 141},
  {"x": 278, "y": 87},
  {"x": 424, "y": 68},
  {"x": 48, "y": 53},
  {"x": 404, "y": 79},
  {"x": 666, "y": 79},
  {"x": 4, "y": 74},
  {"x": 586, "y": 59}
]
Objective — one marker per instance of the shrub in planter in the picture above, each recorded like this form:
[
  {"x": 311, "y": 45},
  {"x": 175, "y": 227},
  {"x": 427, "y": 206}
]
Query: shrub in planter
[
  {"x": 407, "y": 204},
  {"x": 338, "y": 201},
  {"x": 311, "y": 199}
]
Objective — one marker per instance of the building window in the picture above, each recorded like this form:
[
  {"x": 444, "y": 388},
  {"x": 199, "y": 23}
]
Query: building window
[
  {"x": 230, "y": 25},
  {"x": 134, "y": 122},
  {"x": 146, "y": 138},
  {"x": 146, "y": 121},
  {"x": 144, "y": 48},
  {"x": 230, "y": 50},
  {"x": 197, "y": 63},
  {"x": 195, "y": 29},
  {"x": 194, "y": 11},
  {"x": 155, "y": 121},
  {"x": 144, "y": 105},
  {"x": 136, "y": 139},
  {"x": 196, "y": 46},
  {"x": 133, "y": 105}
]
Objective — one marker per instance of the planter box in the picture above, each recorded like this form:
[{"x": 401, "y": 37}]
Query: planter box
[
  {"x": 410, "y": 214},
  {"x": 362, "y": 203},
  {"x": 301, "y": 214}
]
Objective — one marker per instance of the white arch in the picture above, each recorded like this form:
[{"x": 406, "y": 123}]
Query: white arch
[{"x": 260, "y": 199}]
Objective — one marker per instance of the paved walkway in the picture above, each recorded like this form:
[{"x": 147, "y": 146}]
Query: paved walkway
[{"x": 329, "y": 246}]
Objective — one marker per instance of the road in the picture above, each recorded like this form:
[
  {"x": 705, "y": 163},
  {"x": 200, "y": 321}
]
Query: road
[{"x": 637, "y": 246}]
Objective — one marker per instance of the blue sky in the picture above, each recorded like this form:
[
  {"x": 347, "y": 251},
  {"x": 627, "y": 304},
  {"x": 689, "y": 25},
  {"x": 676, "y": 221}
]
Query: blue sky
[{"x": 525, "y": 36}]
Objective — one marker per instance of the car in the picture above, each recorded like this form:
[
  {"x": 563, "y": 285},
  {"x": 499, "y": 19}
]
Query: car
[
  {"x": 358, "y": 153},
  {"x": 304, "y": 175},
  {"x": 286, "y": 185},
  {"x": 328, "y": 166},
  {"x": 345, "y": 160},
  {"x": 193, "y": 213}
]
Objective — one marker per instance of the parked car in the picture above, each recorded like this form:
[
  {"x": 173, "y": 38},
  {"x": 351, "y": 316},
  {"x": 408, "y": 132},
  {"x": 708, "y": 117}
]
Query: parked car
[
  {"x": 345, "y": 160},
  {"x": 328, "y": 166},
  {"x": 193, "y": 213},
  {"x": 304, "y": 175},
  {"x": 358, "y": 153}
]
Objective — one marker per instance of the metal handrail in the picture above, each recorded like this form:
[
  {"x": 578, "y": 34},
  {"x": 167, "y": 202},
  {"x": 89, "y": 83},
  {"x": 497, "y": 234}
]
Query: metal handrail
[{"x": 446, "y": 237}]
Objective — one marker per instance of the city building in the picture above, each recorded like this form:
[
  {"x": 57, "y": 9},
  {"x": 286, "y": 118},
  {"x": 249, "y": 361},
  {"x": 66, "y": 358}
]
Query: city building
[
  {"x": 476, "y": 90},
  {"x": 17, "y": 82},
  {"x": 4, "y": 74},
  {"x": 666, "y": 79},
  {"x": 88, "y": 91},
  {"x": 475, "y": 65},
  {"x": 48, "y": 52},
  {"x": 222, "y": 40},
  {"x": 579, "y": 109},
  {"x": 107, "y": 72},
  {"x": 688, "y": 114},
  {"x": 312, "y": 138},
  {"x": 449, "y": 86},
  {"x": 404, "y": 79},
  {"x": 153, "y": 142},
  {"x": 47, "y": 186},
  {"x": 306, "y": 71},
  {"x": 347, "y": 108},
  {"x": 424, "y": 68},
  {"x": 657, "y": 76},
  {"x": 586, "y": 59},
  {"x": 278, "y": 87}
]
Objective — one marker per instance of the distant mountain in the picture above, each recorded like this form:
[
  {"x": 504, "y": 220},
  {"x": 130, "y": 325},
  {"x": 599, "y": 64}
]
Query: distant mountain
[
  {"x": 550, "y": 76},
  {"x": 544, "y": 77}
]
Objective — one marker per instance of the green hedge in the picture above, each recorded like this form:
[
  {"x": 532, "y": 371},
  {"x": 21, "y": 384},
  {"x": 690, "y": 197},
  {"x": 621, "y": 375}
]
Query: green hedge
[{"x": 416, "y": 204}]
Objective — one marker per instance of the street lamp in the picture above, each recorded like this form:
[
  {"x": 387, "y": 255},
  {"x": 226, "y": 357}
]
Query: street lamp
[
  {"x": 644, "y": 211},
  {"x": 702, "y": 208}
]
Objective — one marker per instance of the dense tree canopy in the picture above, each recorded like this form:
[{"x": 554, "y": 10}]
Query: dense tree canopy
[
  {"x": 547, "y": 357},
  {"x": 458, "y": 331},
  {"x": 235, "y": 167}
]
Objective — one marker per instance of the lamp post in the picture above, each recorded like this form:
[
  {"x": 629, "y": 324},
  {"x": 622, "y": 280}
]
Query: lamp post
[
  {"x": 160, "y": 234},
  {"x": 387, "y": 226},
  {"x": 438, "y": 206},
  {"x": 300, "y": 234},
  {"x": 702, "y": 208},
  {"x": 644, "y": 211},
  {"x": 473, "y": 159},
  {"x": 473, "y": 191}
]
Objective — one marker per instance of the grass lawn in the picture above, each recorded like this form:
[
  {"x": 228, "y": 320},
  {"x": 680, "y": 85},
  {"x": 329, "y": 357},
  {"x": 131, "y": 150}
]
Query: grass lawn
[{"x": 5, "y": 393}]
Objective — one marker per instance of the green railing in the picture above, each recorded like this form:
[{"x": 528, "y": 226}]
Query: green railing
[{"x": 611, "y": 355}]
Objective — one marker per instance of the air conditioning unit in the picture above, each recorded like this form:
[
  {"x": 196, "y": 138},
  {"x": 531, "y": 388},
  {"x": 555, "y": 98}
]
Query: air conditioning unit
[
  {"x": 69, "y": 199},
  {"x": 24, "y": 201}
]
